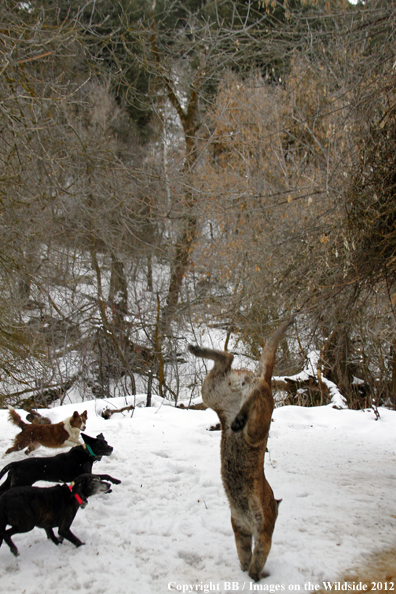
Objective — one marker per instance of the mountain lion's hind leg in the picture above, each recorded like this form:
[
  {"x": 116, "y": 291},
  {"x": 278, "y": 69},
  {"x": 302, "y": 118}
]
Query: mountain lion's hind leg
[
  {"x": 261, "y": 550},
  {"x": 243, "y": 541}
]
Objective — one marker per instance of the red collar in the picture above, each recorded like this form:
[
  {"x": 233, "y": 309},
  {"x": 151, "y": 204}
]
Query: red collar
[{"x": 76, "y": 495}]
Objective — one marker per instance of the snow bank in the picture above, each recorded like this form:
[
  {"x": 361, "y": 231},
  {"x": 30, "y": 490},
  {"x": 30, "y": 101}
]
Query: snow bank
[{"x": 167, "y": 525}]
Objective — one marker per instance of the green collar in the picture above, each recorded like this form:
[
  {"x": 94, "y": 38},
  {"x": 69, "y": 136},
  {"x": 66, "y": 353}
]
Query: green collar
[{"x": 90, "y": 451}]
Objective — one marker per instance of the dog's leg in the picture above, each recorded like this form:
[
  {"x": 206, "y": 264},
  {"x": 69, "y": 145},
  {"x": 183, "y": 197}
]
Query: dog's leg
[
  {"x": 51, "y": 536},
  {"x": 3, "y": 524},
  {"x": 15, "y": 448},
  {"x": 243, "y": 541},
  {"x": 261, "y": 550},
  {"x": 65, "y": 532},
  {"x": 21, "y": 441},
  {"x": 33, "y": 446},
  {"x": 7, "y": 537}
]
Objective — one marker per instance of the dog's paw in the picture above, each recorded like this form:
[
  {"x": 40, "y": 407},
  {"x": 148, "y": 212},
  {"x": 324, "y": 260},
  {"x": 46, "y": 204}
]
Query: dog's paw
[{"x": 239, "y": 422}]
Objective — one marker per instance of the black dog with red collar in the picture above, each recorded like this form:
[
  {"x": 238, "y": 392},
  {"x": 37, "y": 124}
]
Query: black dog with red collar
[{"x": 23, "y": 508}]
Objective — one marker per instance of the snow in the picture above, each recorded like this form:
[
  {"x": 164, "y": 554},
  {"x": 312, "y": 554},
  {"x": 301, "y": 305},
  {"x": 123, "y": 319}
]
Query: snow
[
  {"x": 167, "y": 528},
  {"x": 310, "y": 370}
]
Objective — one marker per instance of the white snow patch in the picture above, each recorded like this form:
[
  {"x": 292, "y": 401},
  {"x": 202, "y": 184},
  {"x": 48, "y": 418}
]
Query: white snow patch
[
  {"x": 310, "y": 370},
  {"x": 167, "y": 525}
]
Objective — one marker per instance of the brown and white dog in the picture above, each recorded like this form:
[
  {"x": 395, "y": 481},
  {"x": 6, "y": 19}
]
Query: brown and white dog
[{"x": 59, "y": 435}]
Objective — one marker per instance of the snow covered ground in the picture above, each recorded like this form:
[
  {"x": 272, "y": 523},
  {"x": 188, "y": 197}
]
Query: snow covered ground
[{"x": 167, "y": 527}]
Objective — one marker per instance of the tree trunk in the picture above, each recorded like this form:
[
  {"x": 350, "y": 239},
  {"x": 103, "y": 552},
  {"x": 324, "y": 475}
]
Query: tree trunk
[
  {"x": 393, "y": 392},
  {"x": 187, "y": 236},
  {"x": 118, "y": 292}
]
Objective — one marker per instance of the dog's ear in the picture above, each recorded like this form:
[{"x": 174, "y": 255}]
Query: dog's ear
[
  {"x": 100, "y": 436},
  {"x": 75, "y": 414}
]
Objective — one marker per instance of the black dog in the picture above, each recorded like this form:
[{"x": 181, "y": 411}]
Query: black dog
[
  {"x": 23, "y": 508},
  {"x": 64, "y": 467}
]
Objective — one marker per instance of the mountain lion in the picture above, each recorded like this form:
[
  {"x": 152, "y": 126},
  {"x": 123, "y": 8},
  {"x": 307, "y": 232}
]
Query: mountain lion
[{"x": 243, "y": 402}]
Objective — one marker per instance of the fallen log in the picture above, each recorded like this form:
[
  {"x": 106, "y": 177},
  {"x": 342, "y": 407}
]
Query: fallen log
[{"x": 107, "y": 412}]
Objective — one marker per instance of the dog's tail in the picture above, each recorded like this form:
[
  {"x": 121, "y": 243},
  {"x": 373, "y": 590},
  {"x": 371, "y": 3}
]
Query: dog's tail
[
  {"x": 6, "y": 485},
  {"x": 4, "y": 470},
  {"x": 15, "y": 418},
  {"x": 267, "y": 359}
]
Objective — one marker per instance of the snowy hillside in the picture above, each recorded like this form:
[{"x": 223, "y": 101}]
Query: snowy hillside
[{"x": 167, "y": 526}]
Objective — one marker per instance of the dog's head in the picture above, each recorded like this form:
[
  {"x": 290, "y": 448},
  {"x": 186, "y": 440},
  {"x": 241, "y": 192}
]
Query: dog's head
[
  {"x": 79, "y": 421},
  {"x": 98, "y": 445},
  {"x": 86, "y": 485}
]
